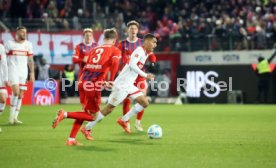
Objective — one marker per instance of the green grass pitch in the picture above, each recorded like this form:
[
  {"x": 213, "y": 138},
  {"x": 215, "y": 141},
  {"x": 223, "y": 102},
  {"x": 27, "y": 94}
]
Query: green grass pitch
[{"x": 194, "y": 136}]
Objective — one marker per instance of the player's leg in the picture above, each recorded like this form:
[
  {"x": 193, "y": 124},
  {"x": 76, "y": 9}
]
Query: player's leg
[
  {"x": 13, "y": 102},
  {"x": 115, "y": 98},
  {"x": 126, "y": 105},
  {"x": 77, "y": 123},
  {"x": 126, "y": 108},
  {"x": 82, "y": 95},
  {"x": 93, "y": 105},
  {"x": 143, "y": 86},
  {"x": 22, "y": 88},
  {"x": 3, "y": 98},
  {"x": 142, "y": 102},
  {"x": 71, "y": 141},
  {"x": 79, "y": 115}
]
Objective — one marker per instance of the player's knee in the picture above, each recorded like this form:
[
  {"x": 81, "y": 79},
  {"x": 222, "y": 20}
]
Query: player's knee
[
  {"x": 15, "y": 93},
  {"x": 20, "y": 96},
  {"x": 108, "y": 109},
  {"x": 144, "y": 102}
]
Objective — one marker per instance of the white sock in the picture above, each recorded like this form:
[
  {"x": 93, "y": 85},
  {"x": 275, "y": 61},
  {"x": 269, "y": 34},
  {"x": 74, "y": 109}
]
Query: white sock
[
  {"x": 91, "y": 124},
  {"x": 13, "y": 105},
  {"x": 18, "y": 106},
  {"x": 2, "y": 107},
  {"x": 138, "y": 121},
  {"x": 134, "y": 110},
  {"x": 71, "y": 139},
  {"x": 65, "y": 114}
]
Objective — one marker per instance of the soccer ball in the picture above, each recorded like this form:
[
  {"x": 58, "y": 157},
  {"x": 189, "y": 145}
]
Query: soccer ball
[{"x": 155, "y": 132}]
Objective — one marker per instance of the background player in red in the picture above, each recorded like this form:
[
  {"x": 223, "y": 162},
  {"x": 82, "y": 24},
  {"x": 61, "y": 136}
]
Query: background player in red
[
  {"x": 102, "y": 59},
  {"x": 82, "y": 51},
  {"x": 127, "y": 46}
]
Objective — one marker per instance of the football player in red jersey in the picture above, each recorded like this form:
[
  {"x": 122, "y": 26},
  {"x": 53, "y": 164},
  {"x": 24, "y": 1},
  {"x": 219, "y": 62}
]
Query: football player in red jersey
[
  {"x": 101, "y": 60},
  {"x": 82, "y": 51}
]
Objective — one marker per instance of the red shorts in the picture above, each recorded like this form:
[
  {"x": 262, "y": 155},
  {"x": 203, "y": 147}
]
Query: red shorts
[{"x": 91, "y": 98}]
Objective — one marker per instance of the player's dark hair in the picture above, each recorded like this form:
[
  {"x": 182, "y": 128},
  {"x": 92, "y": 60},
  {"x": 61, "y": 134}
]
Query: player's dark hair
[
  {"x": 148, "y": 36},
  {"x": 110, "y": 33},
  {"x": 20, "y": 28},
  {"x": 133, "y": 22}
]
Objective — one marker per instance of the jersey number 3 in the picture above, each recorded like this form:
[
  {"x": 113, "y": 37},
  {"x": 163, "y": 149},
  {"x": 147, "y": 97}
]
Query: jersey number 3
[{"x": 99, "y": 52}]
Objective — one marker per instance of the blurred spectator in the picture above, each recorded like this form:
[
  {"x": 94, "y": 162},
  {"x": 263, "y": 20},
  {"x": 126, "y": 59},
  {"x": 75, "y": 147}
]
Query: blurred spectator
[
  {"x": 42, "y": 69},
  {"x": 260, "y": 38},
  {"x": 5, "y": 8},
  {"x": 180, "y": 25},
  {"x": 69, "y": 77},
  {"x": 19, "y": 8}
]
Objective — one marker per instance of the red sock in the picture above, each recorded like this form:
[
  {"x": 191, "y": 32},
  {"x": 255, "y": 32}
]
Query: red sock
[
  {"x": 126, "y": 106},
  {"x": 140, "y": 115},
  {"x": 75, "y": 129},
  {"x": 80, "y": 116}
]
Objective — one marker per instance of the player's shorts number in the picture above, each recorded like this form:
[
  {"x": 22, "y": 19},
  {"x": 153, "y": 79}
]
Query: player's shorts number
[{"x": 99, "y": 52}]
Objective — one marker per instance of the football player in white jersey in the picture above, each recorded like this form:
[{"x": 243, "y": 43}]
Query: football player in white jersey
[
  {"x": 124, "y": 84},
  {"x": 20, "y": 57},
  {"x": 3, "y": 79}
]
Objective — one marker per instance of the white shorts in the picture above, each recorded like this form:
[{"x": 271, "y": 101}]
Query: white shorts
[
  {"x": 118, "y": 94},
  {"x": 15, "y": 79}
]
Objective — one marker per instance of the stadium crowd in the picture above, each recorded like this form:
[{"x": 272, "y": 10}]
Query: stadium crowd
[{"x": 185, "y": 25}]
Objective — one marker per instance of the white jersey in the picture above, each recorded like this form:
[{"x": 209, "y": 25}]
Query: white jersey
[
  {"x": 3, "y": 65},
  {"x": 131, "y": 70},
  {"x": 18, "y": 54}
]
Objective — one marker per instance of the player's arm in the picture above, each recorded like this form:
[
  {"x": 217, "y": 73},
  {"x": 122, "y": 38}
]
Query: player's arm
[
  {"x": 115, "y": 64},
  {"x": 31, "y": 63},
  {"x": 272, "y": 56},
  {"x": 113, "y": 71},
  {"x": 76, "y": 56},
  {"x": 134, "y": 59},
  {"x": 152, "y": 67}
]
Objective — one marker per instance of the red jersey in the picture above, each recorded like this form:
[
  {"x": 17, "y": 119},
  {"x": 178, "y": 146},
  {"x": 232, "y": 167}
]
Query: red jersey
[
  {"x": 127, "y": 47},
  {"x": 99, "y": 62},
  {"x": 80, "y": 52}
]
